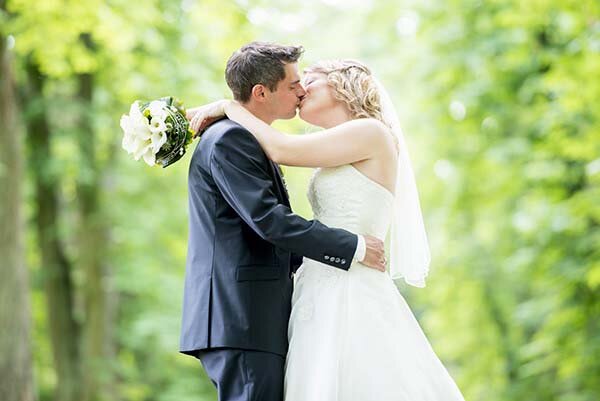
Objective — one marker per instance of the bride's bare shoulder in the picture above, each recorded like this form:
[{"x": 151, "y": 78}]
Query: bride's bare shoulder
[
  {"x": 376, "y": 130},
  {"x": 367, "y": 126},
  {"x": 371, "y": 123}
]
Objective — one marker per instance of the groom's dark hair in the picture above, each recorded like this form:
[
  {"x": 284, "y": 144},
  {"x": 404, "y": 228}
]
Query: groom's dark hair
[{"x": 258, "y": 63}]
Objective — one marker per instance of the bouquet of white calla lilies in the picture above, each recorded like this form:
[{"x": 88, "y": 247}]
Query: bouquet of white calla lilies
[{"x": 156, "y": 131}]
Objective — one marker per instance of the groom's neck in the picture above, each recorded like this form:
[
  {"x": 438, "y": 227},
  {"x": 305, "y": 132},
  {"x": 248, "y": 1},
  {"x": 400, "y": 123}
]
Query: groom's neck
[{"x": 258, "y": 112}]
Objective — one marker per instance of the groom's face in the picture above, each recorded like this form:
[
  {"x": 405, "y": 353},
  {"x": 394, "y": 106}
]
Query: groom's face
[{"x": 284, "y": 101}]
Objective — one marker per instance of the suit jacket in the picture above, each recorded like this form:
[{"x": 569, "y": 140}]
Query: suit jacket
[{"x": 242, "y": 246}]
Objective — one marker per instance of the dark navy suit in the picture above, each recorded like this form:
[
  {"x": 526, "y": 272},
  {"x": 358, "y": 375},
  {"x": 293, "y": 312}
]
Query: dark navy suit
[{"x": 244, "y": 243}]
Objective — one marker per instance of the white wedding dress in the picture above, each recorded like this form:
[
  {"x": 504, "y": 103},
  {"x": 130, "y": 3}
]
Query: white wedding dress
[{"x": 352, "y": 336}]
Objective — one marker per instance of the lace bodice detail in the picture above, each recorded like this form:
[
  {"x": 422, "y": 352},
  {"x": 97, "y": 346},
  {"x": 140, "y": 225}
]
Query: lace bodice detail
[{"x": 343, "y": 197}]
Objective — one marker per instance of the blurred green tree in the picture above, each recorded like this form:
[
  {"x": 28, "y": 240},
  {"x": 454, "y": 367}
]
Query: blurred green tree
[
  {"x": 16, "y": 376},
  {"x": 498, "y": 102}
]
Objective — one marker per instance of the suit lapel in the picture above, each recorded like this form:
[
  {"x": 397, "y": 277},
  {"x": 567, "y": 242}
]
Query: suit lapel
[
  {"x": 280, "y": 183},
  {"x": 276, "y": 172}
]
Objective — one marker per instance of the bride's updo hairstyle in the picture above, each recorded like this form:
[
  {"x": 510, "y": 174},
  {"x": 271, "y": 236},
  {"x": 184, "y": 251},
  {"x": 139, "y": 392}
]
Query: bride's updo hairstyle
[{"x": 353, "y": 85}]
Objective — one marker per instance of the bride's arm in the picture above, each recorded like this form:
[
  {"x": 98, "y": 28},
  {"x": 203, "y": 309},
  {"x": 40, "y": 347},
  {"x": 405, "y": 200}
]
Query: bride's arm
[{"x": 346, "y": 143}]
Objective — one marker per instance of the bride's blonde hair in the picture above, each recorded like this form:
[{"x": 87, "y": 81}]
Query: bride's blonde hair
[{"x": 353, "y": 85}]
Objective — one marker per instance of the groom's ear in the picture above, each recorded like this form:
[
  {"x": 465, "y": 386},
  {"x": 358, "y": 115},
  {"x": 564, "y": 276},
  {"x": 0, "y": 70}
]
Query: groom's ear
[{"x": 258, "y": 92}]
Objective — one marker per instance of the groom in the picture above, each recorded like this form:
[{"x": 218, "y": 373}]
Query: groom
[{"x": 244, "y": 240}]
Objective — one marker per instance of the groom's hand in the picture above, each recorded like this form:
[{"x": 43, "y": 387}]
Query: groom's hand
[{"x": 375, "y": 254}]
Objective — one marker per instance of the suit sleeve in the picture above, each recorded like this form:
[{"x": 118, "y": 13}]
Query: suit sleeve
[
  {"x": 296, "y": 261},
  {"x": 240, "y": 170}
]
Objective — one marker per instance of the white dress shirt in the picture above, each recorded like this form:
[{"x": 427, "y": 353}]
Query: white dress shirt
[{"x": 361, "y": 249}]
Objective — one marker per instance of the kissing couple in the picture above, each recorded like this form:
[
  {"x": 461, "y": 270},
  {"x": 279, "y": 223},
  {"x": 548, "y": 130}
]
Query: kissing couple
[{"x": 277, "y": 307}]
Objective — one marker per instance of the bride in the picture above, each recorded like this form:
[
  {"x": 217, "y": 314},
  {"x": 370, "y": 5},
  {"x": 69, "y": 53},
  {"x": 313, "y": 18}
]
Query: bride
[{"x": 352, "y": 337}]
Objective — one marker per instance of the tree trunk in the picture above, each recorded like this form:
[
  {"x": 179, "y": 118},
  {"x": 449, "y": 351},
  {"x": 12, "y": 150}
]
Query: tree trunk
[
  {"x": 96, "y": 346},
  {"x": 16, "y": 378},
  {"x": 64, "y": 330}
]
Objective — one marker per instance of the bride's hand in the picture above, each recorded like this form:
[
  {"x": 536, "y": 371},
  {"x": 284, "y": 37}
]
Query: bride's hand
[{"x": 203, "y": 116}]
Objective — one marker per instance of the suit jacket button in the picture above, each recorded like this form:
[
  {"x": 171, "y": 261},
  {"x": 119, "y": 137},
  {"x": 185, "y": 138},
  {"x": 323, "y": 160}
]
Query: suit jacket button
[
  {"x": 343, "y": 261},
  {"x": 327, "y": 257},
  {"x": 337, "y": 260}
]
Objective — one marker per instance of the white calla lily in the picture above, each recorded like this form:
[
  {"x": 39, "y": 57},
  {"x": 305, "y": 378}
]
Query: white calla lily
[
  {"x": 150, "y": 157},
  {"x": 128, "y": 143},
  {"x": 126, "y": 124},
  {"x": 128, "y": 137},
  {"x": 158, "y": 109},
  {"x": 157, "y": 125},
  {"x": 137, "y": 122},
  {"x": 140, "y": 147},
  {"x": 158, "y": 139}
]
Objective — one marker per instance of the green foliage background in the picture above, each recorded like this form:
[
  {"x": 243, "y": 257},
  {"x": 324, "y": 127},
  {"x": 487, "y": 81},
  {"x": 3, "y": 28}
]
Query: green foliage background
[{"x": 499, "y": 103}]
